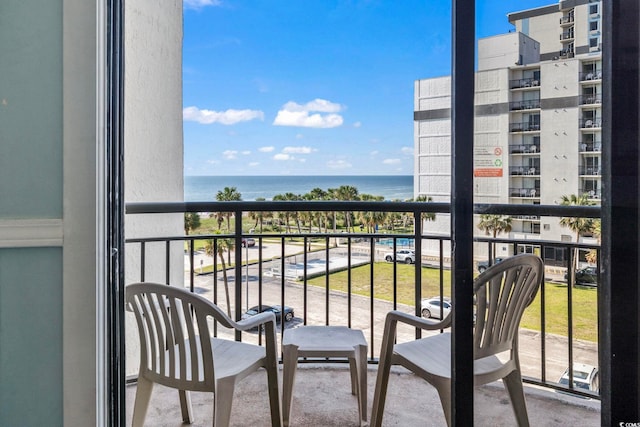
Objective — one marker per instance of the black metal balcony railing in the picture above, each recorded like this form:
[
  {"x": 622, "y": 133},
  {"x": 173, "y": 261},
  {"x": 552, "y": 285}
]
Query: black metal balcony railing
[
  {"x": 529, "y": 104},
  {"x": 566, "y": 54},
  {"x": 591, "y": 75},
  {"x": 566, "y": 20},
  {"x": 527, "y": 217},
  {"x": 566, "y": 36},
  {"x": 320, "y": 245},
  {"x": 594, "y": 98},
  {"x": 590, "y": 122},
  {"x": 591, "y": 193},
  {"x": 591, "y": 146},
  {"x": 524, "y": 170},
  {"x": 524, "y": 148},
  {"x": 524, "y": 192},
  {"x": 524, "y": 127},
  {"x": 589, "y": 170},
  {"x": 522, "y": 83}
]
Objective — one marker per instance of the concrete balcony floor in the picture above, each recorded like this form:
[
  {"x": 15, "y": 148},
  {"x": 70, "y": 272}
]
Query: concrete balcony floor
[{"x": 322, "y": 397}]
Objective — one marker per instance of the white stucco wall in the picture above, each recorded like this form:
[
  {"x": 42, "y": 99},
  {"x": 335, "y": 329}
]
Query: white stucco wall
[{"x": 153, "y": 141}]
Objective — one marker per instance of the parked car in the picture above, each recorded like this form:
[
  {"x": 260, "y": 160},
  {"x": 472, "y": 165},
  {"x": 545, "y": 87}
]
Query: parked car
[
  {"x": 276, "y": 309},
  {"x": 431, "y": 307},
  {"x": 483, "y": 265},
  {"x": 248, "y": 242},
  {"x": 587, "y": 276},
  {"x": 403, "y": 255},
  {"x": 585, "y": 377}
]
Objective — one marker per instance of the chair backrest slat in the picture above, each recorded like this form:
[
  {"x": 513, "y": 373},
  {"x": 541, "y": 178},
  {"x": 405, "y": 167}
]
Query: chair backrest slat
[{"x": 502, "y": 294}]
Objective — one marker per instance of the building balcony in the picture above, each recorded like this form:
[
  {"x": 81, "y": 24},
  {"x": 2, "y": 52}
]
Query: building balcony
[
  {"x": 530, "y": 104},
  {"x": 590, "y": 146},
  {"x": 591, "y": 75},
  {"x": 591, "y": 193},
  {"x": 590, "y": 123},
  {"x": 343, "y": 278},
  {"x": 590, "y": 99},
  {"x": 524, "y": 148},
  {"x": 589, "y": 171},
  {"x": 524, "y": 83},
  {"x": 567, "y": 36},
  {"x": 524, "y": 170},
  {"x": 527, "y": 192},
  {"x": 566, "y": 20},
  {"x": 524, "y": 127}
]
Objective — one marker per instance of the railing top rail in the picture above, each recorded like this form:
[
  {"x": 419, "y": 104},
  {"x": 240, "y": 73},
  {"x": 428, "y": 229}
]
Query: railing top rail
[{"x": 292, "y": 206}]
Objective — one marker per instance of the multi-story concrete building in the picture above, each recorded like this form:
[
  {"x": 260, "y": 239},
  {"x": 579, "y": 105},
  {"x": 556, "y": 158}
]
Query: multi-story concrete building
[{"x": 538, "y": 118}]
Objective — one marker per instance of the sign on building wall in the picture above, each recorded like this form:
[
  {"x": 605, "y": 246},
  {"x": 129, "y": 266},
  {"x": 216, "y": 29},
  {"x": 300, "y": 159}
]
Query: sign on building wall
[{"x": 487, "y": 162}]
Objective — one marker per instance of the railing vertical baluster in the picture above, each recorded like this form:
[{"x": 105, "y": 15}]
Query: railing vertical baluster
[
  {"x": 143, "y": 247},
  {"x": 372, "y": 249},
  {"x": 543, "y": 326},
  {"x": 349, "y": 282},
  {"x": 214, "y": 244},
  {"x": 167, "y": 260},
  {"x": 260, "y": 284},
  {"x": 238, "y": 269},
  {"x": 192, "y": 244},
  {"x": 326, "y": 283}
]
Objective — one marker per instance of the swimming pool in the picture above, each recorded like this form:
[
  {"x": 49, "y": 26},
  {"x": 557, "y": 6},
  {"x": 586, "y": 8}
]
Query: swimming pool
[{"x": 401, "y": 241}]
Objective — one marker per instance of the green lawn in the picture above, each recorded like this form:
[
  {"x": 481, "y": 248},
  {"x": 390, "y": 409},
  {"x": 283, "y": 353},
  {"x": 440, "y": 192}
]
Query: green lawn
[{"x": 584, "y": 299}]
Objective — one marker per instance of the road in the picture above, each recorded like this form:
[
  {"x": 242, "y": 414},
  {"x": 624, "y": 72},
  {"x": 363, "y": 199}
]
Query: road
[{"x": 333, "y": 308}]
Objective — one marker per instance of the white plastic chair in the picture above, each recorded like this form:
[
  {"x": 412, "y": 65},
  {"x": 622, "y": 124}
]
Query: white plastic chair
[
  {"x": 177, "y": 350},
  {"x": 502, "y": 293}
]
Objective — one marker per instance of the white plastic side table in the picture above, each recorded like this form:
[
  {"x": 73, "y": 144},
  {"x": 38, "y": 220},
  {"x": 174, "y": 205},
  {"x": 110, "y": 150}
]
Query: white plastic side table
[{"x": 325, "y": 341}]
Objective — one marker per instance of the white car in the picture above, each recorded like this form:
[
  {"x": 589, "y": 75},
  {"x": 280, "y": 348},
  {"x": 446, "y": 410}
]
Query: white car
[
  {"x": 431, "y": 307},
  {"x": 585, "y": 378},
  {"x": 403, "y": 255}
]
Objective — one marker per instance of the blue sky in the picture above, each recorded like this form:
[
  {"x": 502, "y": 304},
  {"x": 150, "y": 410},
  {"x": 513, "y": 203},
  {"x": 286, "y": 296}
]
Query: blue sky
[{"x": 313, "y": 87}]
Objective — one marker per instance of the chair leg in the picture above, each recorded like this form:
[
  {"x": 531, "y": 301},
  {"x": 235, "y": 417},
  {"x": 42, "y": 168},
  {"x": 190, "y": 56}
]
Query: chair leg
[
  {"x": 380, "y": 394},
  {"x": 274, "y": 396},
  {"x": 185, "y": 406},
  {"x": 444, "y": 392},
  {"x": 143, "y": 395},
  {"x": 222, "y": 401},
  {"x": 289, "y": 366},
  {"x": 513, "y": 384}
]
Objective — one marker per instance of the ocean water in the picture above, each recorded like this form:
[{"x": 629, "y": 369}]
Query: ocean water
[{"x": 205, "y": 188}]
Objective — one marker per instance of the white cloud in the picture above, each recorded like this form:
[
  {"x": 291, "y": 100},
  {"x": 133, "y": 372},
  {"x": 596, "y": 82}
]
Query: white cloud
[
  {"x": 230, "y": 154},
  {"x": 298, "y": 150},
  {"x": 282, "y": 156},
  {"x": 246, "y": 152},
  {"x": 407, "y": 150},
  {"x": 228, "y": 117},
  {"x": 357, "y": 124},
  {"x": 213, "y": 162},
  {"x": 198, "y": 4},
  {"x": 267, "y": 149},
  {"x": 338, "y": 164},
  {"x": 391, "y": 161},
  {"x": 374, "y": 152},
  {"x": 299, "y": 136},
  {"x": 302, "y": 160},
  {"x": 254, "y": 164},
  {"x": 324, "y": 114}
]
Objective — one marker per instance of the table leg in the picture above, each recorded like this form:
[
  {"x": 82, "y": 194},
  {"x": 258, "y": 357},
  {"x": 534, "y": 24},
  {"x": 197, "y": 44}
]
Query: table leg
[
  {"x": 289, "y": 366},
  {"x": 362, "y": 371}
]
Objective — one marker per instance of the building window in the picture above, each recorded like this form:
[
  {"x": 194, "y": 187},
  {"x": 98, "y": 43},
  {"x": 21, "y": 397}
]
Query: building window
[
  {"x": 593, "y": 9},
  {"x": 594, "y": 42},
  {"x": 593, "y": 25}
]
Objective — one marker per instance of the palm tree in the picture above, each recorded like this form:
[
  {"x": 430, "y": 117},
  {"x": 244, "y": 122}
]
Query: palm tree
[
  {"x": 259, "y": 217},
  {"x": 347, "y": 193},
  {"x": 223, "y": 245},
  {"x": 428, "y": 216},
  {"x": 577, "y": 225},
  {"x": 191, "y": 222},
  {"x": 592, "y": 256},
  {"x": 494, "y": 225},
  {"x": 229, "y": 194}
]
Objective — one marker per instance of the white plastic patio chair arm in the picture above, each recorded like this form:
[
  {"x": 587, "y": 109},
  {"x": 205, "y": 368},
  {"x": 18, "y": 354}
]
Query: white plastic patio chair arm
[
  {"x": 255, "y": 321},
  {"x": 418, "y": 322}
]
